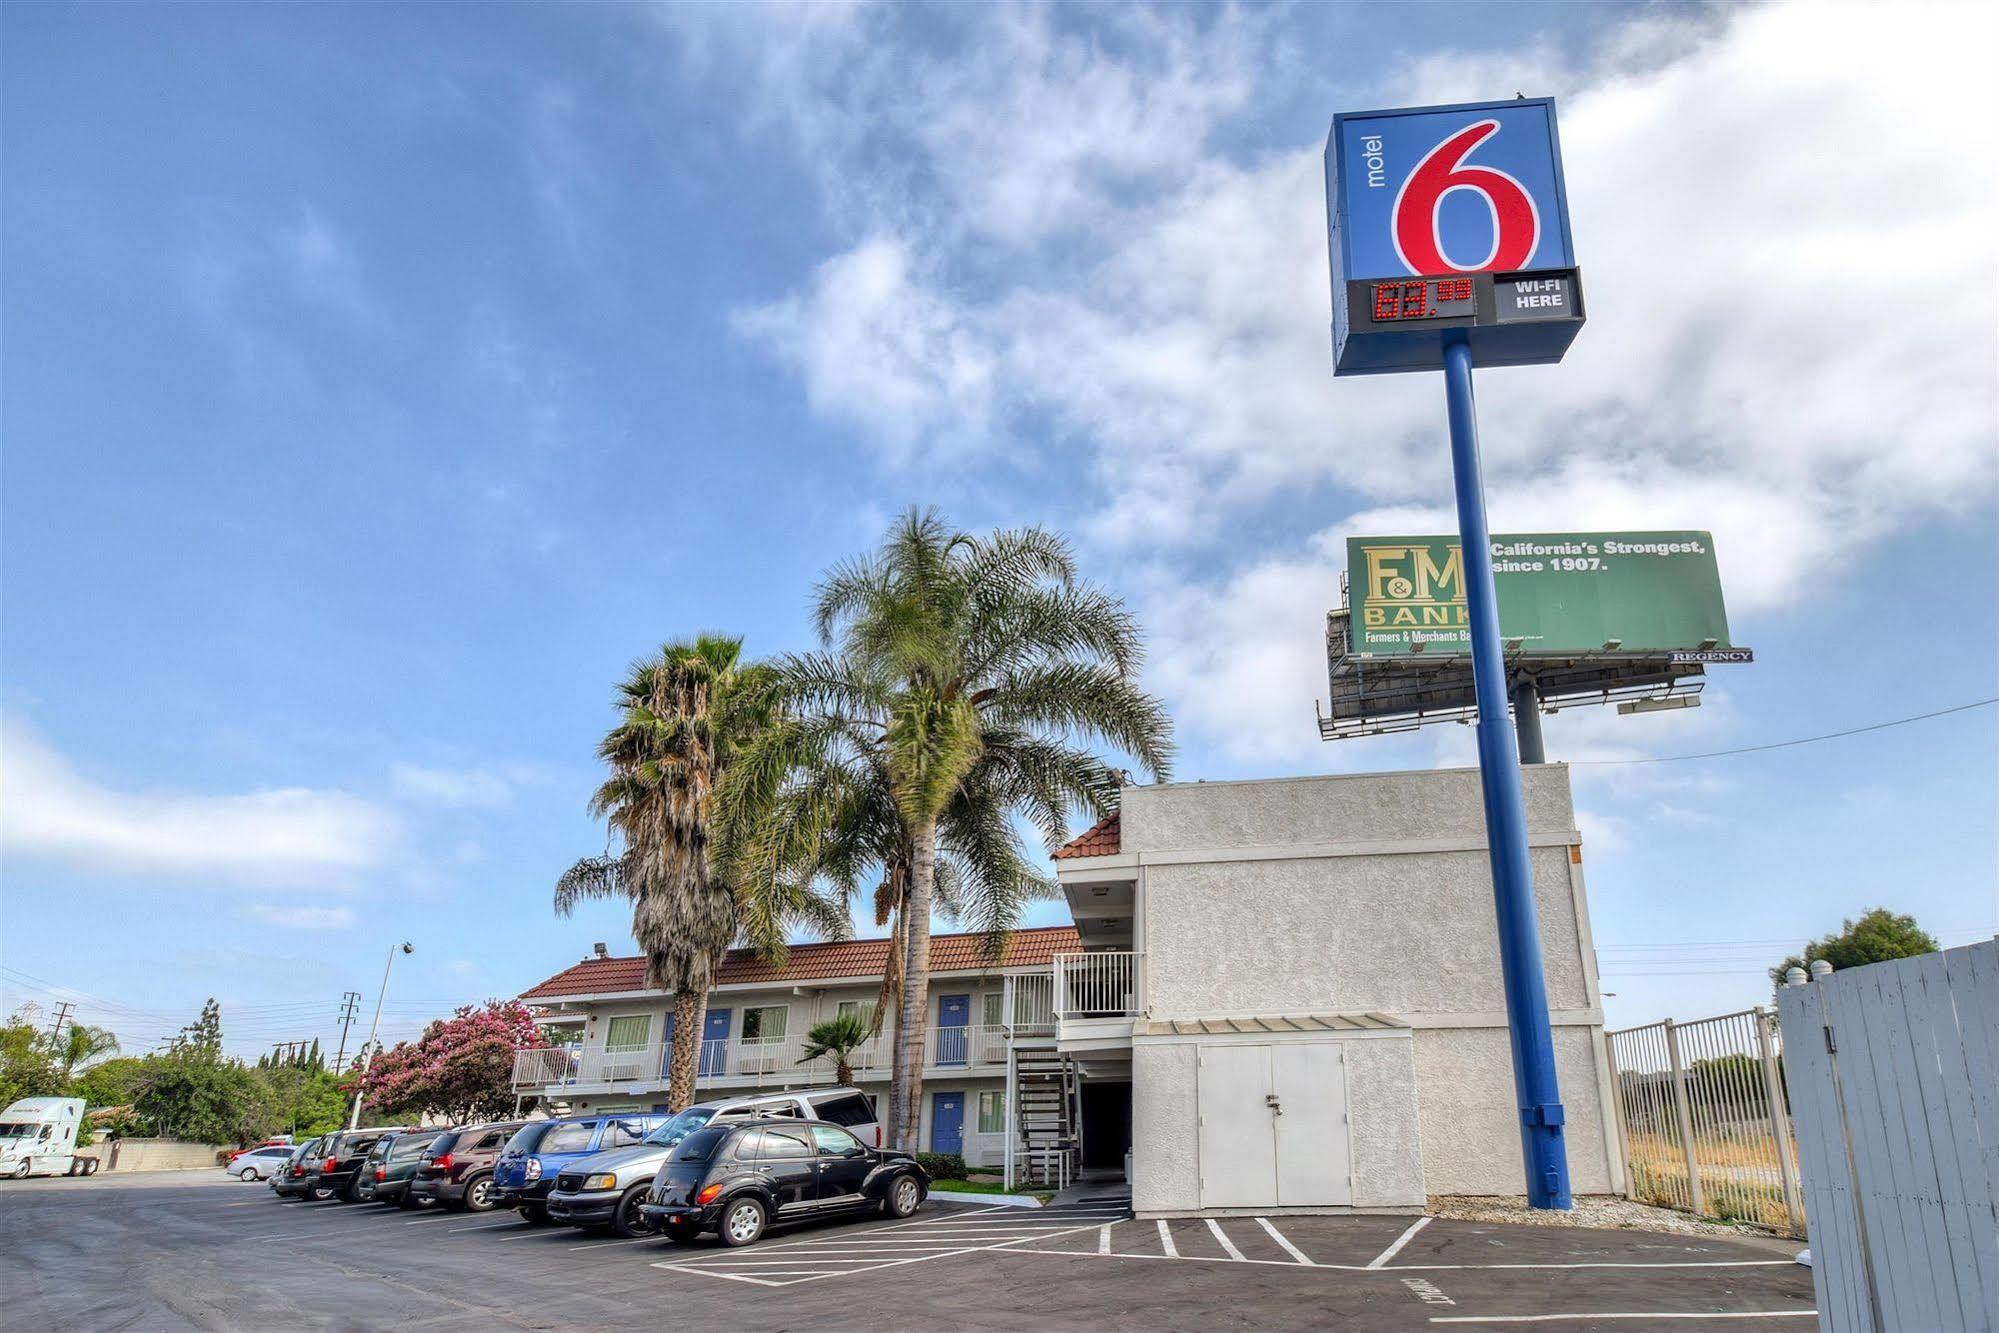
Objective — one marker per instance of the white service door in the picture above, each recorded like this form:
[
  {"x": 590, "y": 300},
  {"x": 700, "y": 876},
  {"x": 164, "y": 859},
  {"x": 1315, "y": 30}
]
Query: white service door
[
  {"x": 1238, "y": 1151},
  {"x": 1311, "y": 1125}
]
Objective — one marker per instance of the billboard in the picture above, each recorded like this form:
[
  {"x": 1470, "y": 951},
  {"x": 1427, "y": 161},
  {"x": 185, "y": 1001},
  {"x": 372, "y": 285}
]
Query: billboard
[
  {"x": 1564, "y": 594},
  {"x": 1451, "y": 222}
]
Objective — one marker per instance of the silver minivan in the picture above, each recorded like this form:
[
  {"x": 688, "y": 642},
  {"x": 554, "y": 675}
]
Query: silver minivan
[{"x": 606, "y": 1190}]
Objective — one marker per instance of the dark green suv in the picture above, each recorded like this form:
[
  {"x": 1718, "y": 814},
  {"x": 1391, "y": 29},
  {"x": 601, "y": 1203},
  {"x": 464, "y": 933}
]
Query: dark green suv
[{"x": 385, "y": 1177}]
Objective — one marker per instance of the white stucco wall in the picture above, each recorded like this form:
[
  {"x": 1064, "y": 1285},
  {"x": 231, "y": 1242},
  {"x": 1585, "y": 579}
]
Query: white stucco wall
[
  {"x": 1368, "y": 892},
  {"x": 1165, "y": 1128}
]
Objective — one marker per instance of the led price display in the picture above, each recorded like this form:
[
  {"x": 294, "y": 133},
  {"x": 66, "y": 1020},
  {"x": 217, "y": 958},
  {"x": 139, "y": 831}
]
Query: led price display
[{"x": 1423, "y": 298}]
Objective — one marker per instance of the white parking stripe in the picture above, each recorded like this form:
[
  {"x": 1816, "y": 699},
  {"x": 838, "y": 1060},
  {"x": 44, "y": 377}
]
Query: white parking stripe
[
  {"x": 1399, "y": 1268},
  {"x": 1166, "y": 1241},
  {"x": 1278, "y": 1236},
  {"x": 1104, "y": 1238},
  {"x": 1649, "y": 1314},
  {"x": 1381, "y": 1260},
  {"x": 1227, "y": 1244},
  {"x": 810, "y": 1259},
  {"x": 489, "y": 1226}
]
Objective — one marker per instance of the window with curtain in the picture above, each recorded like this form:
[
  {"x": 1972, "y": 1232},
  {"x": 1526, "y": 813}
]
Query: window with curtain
[
  {"x": 627, "y": 1032},
  {"x": 993, "y": 1014},
  {"x": 992, "y": 1113},
  {"x": 861, "y": 1009},
  {"x": 765, "y": 1023}
]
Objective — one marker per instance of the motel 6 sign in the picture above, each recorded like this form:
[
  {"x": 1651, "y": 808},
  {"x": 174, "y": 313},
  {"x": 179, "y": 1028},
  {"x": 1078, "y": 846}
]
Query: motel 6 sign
[{"x": 1450, "y": 223}]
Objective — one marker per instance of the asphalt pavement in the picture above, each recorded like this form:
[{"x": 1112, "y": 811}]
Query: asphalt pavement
[{"x": 186, "y": 1250}]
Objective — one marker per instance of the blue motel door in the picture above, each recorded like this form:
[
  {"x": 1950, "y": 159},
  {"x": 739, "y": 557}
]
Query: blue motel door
[
  {"x": 947, "y": 1122},
  {"x": 666, "y": 1047},
  {"x": 953, "y": 1013},
  {"x": 715, "y": 1043}
]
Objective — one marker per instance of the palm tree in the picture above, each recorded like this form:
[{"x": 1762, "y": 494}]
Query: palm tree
[
  {"x": 80, "y": 1044},
  {"x": 962, "y": 678},
  {"x": 838, "y": 1037},
  {"x": 687, "y": 712}
]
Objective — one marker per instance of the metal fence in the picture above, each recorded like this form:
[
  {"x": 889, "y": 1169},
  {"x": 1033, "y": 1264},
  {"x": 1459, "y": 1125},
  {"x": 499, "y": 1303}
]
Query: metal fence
[{"x": 1705, "y": 1122}]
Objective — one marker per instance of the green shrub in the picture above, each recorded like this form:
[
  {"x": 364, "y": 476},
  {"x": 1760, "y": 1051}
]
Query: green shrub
[{"x": 942, "y": 1165}]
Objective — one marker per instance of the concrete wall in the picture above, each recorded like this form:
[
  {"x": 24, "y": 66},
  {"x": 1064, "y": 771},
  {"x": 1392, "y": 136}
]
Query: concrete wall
[
  {"x": 1373, "y": 892},
  {"x": 153, "y": 1154}
]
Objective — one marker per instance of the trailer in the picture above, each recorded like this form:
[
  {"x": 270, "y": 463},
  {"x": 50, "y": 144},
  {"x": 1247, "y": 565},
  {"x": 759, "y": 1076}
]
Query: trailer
[{"x": 38, "y": 1138}]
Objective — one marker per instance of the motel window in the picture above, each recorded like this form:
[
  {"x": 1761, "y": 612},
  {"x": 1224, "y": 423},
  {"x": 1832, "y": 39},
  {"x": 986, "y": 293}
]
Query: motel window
[
  {"x": 994, "y": 1012},
  {"x": 764, "y": 1024},
  {"x": 627, "y": 1033},
  {"x": 992, "y": 1113}
]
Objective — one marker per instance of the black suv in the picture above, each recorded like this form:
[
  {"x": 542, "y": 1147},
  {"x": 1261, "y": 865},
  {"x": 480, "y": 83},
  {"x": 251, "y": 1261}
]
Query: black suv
[
  {"x": 738, "y": 1179},
  {"x": 340, "y": 1163}
]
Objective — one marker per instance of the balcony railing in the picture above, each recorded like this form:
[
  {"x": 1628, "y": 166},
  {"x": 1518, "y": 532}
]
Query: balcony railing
[
  {"x": 1096, "y": 985},
  {"x": 774, "y": 1058}
]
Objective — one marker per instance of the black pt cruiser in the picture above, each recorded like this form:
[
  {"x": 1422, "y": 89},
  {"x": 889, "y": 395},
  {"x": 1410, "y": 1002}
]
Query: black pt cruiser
[{"x": 738, "y": 1179}]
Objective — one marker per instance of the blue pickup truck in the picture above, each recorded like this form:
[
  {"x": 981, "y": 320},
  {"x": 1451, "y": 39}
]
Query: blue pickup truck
[{"x": 527, "y": 1169}]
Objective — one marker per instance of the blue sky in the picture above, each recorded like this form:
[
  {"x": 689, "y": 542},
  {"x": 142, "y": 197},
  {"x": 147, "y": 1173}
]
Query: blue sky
[{"x": 379, "y": 381}]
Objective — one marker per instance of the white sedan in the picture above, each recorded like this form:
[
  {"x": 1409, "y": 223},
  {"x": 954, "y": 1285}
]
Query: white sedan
[{"x": 258, "y": 1163}]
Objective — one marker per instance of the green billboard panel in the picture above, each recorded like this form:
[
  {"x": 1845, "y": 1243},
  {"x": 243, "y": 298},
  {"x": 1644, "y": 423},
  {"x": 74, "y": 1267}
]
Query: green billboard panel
[{"x": 1567, "y": 594}]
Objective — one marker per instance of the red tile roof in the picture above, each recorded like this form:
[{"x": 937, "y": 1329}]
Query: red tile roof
[
  {"x": 1102, "y": 840},
  {"x": 841, "y": 958}
]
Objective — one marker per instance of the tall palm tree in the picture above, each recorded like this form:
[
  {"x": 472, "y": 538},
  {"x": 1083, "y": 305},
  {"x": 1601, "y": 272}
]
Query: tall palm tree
[
  {"x": 687, "y": 712},
  {"x": 80, "y": 1044},
  {"x": 962, "y": 679}
]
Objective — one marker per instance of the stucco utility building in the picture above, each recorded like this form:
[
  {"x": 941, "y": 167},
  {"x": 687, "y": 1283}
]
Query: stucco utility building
[{"x": 1277, "y": 995}]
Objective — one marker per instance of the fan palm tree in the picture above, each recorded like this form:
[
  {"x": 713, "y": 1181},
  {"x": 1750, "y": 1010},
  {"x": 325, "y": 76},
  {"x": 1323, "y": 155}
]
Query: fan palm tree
[
  {"x": 80, "y": 1044},
  {"x": 838, "y": 1037},
  {"x": 962, "y": 679},
  {"x": 687, "y": 712}
]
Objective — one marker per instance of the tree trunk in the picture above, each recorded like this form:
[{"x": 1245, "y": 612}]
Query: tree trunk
[
  {"x": 843, "y": 1072},
  {"x": 690, "y": 1015},
  {"x": 913, "y": 1021}
]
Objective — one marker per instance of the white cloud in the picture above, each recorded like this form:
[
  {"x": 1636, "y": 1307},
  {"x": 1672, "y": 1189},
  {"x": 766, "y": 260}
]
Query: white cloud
[
  {"x": 271, "y": 838},
  {"x": 297, "y": 917},
  {"x": 466, "y": 788},
  {"x": 1752, "y": 190}
]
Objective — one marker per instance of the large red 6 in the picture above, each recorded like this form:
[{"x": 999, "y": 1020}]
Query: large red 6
[{"x": 1516, "y": 226}]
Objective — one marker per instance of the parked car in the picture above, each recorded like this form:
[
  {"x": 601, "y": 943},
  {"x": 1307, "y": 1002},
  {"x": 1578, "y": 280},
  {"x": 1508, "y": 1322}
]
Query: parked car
[
  {"x": 457, "y": 1168},
  {"x": 259, "y": 1163},
  {"x": 340, "y": 1162},
  {"x": 608, "y": 1189},
  {"x": 526, "y": 1170},
  {"x": 738, "y": 1179},
  {"x": 385, "y": 1177},
  {"x": 294, "y": 1179}
]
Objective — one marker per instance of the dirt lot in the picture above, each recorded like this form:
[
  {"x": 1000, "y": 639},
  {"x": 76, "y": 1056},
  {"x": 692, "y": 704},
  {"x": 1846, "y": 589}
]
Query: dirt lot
[{"x": 199, "y": 1251}]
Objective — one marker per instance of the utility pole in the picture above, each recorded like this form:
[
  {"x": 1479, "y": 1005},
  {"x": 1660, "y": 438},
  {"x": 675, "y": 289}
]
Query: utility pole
[
  {"x": 368, "y": 1050},
  {"x": 62, "y": 1016},
  {"x": 350, "y": 1003}
]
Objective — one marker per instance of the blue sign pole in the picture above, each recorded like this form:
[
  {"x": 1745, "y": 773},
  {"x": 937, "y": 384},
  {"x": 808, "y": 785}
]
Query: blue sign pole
[{"x": 1537, "y": 1090}]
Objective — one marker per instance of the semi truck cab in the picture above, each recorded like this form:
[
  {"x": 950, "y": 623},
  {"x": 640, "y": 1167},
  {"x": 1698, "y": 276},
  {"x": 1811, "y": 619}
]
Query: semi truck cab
[{"x": 38, "y": 1138}]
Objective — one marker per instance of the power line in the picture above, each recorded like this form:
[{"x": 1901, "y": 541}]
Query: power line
[{"x": 1783, "y": 745}]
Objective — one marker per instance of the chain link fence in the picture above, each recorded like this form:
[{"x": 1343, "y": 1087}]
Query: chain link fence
[{"x": 1705, "y": 1123}]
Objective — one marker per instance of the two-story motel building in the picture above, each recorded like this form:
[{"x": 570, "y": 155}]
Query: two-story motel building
[{"x": 1281, "y": 995}]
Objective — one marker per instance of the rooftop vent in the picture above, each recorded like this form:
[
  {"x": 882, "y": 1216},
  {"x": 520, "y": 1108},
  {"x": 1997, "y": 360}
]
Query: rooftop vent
[{"x": 599, "y": 950}]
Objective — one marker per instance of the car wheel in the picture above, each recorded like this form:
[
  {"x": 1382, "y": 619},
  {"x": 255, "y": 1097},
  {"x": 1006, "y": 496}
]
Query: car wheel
[
  {"x": 680, "y": 1233},
  {"x": 478, "y": 1195},
  {"x": 904, "y": 1197},
  {"x": 536, "y": 1214},
  {"x": 21, "y": 1171},
  {"x": 247, "y": 1173},
  {"x": 315, "y": 1193},
  {"x": 743, "y": 1222},
  {"x": 628, "y": 1221}
]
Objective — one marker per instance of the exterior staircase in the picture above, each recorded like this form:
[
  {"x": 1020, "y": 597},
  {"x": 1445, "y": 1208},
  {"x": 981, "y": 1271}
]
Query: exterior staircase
[{"x": 1044, "y": 1116}]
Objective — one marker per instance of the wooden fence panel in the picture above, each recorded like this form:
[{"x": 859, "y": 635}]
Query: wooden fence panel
[{"x": 1893, "y": 1076}]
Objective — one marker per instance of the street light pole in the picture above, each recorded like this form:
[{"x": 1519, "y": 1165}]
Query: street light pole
[{"x": 368, "y": 1055}]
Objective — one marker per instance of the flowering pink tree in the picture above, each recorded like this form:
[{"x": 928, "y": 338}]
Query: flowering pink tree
[{"x": 461, "y": 1068}]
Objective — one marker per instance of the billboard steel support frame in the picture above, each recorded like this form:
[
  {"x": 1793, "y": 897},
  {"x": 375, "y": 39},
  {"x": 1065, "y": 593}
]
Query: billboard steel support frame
[{"x": 1537, "y": 1089}]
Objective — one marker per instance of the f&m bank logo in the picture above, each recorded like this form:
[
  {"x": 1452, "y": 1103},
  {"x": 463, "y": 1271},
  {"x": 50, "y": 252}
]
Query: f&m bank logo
[{"x": 1414, "y": 586}]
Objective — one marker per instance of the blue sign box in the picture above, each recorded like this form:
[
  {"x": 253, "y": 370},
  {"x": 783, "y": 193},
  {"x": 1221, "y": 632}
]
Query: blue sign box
[{"x": 1469, "y": 197}]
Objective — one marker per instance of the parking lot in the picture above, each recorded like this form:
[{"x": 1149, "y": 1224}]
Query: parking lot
[{"x": 182, "y": 1250}]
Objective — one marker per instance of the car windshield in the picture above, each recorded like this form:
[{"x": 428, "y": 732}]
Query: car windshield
[
  {"x": 678, "y": 1128},
  {"x": 19, "y": 1130},
  {"x": 568, "y": 1138},
  {"x": 700, "y": 1145}
]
